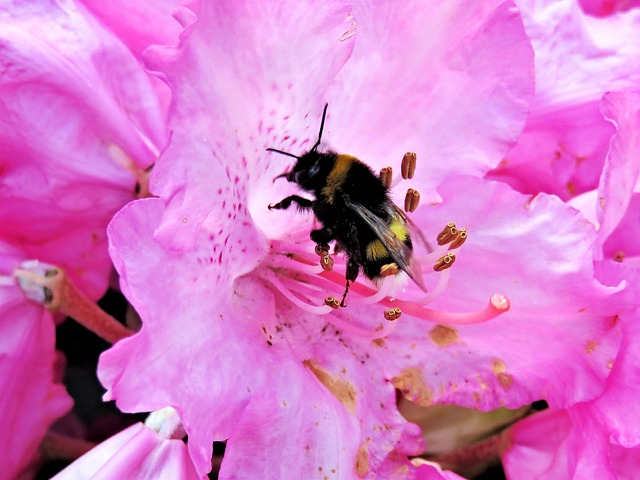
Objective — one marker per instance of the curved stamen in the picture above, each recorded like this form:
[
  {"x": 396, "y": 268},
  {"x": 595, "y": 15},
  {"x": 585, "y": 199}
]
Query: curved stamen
[
  {"x": 441, "y": 285},
  {"x": 498, "y": 304},
  {"x": 315, "y": 309}
]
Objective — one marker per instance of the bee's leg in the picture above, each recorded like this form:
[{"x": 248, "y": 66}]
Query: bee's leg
[
  {"x": 321, "y": 236},
  {"x": 303, "y": 203},
  {"x": 351, "y": 275}
]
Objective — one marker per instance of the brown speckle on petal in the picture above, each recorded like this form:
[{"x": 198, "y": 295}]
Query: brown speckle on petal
[
  {"x": 362, "y": 461},
  {"x": 342, "y": 390},
  {"x": 443, "y": 335},
  {"x": 413, "y": 386}
]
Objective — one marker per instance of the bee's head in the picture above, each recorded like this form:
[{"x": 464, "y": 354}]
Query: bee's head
[{"x": 311, "y": 170}]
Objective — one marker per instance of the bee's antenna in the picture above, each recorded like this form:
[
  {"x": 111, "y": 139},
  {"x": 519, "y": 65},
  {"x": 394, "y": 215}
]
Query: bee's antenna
[
  {"x": 324, "y": 115},
  {"x": 281, "y": 152}
]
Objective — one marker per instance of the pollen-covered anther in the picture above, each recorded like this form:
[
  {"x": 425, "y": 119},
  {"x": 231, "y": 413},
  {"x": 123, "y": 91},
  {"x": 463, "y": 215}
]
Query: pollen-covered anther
[
  {"x": 444, "y": 262},
  {"x": 408, "y": 165},
  {"x": 447, "y": 234},
  {"x": 322, "y": 249},
  {"x": 326, "y": 262},
  {"x": 411, "y": 200},
  {"x": 389, "y": 269},
  {"x": 332, "y": 302},
  {"x": 458, "y": 239},
  {"x": 386, "y": 175},
  {"x": 392, "y": 314}
]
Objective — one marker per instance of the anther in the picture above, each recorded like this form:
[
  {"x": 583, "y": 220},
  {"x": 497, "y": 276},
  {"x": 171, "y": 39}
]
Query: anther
[
  {"x": 411, "y": 200},
  {"x": 444, "y": 262},
  {"x": 459, "y": 239},
  {"x": 447, "y": 234},
  {"x": 332, "y": 302},
  {"x": 389, "y": 269},
  {"x": 392, "y": 314},
  {"x": 326, "y": 262},
  {"x": 386, "y": 175},
  {"x": 322, "y": 249},
  {"x": 408, "y": 165}
]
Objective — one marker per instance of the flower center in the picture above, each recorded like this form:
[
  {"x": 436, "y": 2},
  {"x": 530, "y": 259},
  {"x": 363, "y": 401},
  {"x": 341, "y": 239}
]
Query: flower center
[{"x": 304, "y": 276}]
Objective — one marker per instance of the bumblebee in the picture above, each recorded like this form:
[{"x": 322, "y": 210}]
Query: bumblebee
[{"x": 352, "y": 205}]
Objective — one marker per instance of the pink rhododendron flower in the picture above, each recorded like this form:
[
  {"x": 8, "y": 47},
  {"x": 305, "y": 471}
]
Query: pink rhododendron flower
[
  {"x": 235, "y": 335},
  {"x": 578, "y": 59},
  {"x": 142, "y": 451},
  {"x": 30, "y": 399},
  {"x": 598, "y": 439},
  {"x": 79, "y": 123}
]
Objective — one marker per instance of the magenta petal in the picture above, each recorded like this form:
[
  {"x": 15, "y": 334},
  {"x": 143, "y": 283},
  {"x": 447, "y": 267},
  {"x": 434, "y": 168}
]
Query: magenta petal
[
  {"x": 241, "y": 77},
  {"x": 621, "y": 169},
  {"x": 136, "y": 452},
  {"x": 560, "y": 335},
  {"x": 578, "y": 59},
  {"x": 30, "y": 400},
  {"x": 602, "y": 8},
  {"x": 451, "y": 81}
]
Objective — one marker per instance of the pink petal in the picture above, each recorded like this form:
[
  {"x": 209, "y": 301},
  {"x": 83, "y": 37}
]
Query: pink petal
[
  {"x": 602, "y": 8},
  {"x": 244, "y": 73},
  {"x": 136, "y": 452},
  {"x": 621, "y": 169},
  {"x": 244, "y": 383},
  {"x": 559, "y": 336},
  {"x": 419, "y": 76},
  {"x": 30, "y": 400},
  {"x": 63, "y": 180},
  {"x": 578, "y": 59},
  {"x": 138, "y": 24}
]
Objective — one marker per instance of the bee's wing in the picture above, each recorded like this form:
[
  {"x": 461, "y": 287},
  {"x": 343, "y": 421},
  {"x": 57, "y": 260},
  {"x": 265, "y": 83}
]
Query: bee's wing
[
  {"x": 398, "y": 250},
  {"x": 416, "y": 234}
]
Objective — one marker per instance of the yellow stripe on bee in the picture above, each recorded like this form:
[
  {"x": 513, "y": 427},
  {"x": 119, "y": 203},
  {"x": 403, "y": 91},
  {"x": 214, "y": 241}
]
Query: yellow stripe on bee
[
  {"x": 399, "y": 229},
  {"x": 376, "y": 250},
  {"x": 337, "y": 175}
]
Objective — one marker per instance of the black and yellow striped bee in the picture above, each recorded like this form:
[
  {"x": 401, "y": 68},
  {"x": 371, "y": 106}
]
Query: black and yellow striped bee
[{"x": 352, "y": 203}]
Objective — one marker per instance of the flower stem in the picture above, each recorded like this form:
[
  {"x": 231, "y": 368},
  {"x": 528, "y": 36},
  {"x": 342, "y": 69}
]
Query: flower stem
[{"x": 61, "y": 295}]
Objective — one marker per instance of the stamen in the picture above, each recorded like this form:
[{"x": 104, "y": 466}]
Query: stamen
[
  {"x": 441, "y": 285},
  {"x": 383, "y": 330},
  {"x": 459, "y": 239},
  {"x": 386, "y": 175},
  {"x": 326, "y": 262},
  {"x": 321, "y": 249},
  {"x": 411, "y": 200},
  {"x": 332, "y": 302},
  {"x": 317, "y": 310},
  {"x": 498, "y": 304},
  {"x": 50, "y": 286},
  {"x": 444, "y": 262},
  {"x": 409, "y": 165},
  {"x": 389, "y": 269},
  {"x": 447, "y": 234},
  {"x": 392, "y": 314}
]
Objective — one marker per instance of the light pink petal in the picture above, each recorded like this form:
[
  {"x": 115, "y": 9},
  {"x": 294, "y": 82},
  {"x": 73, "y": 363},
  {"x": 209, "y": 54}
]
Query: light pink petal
[
  {"x": 578, "y": 59},
  {"x": 231, "y": 378},
  {"x": 559, "y": 336},
  {"x": 244, "y": 74},
  {"x": 451, "y": 81},
  {"x": 138, "y": 24},
  {"x": 30, "y": 400},
  {"x": 619, "y": 404},
  {"x": 136, "y": 452},
  {"x": 567, "y": 444},
  {"x": 621, "y": 169},
  {"x": 63, "y": 180},
  {"x": 602, "y": 8}
]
